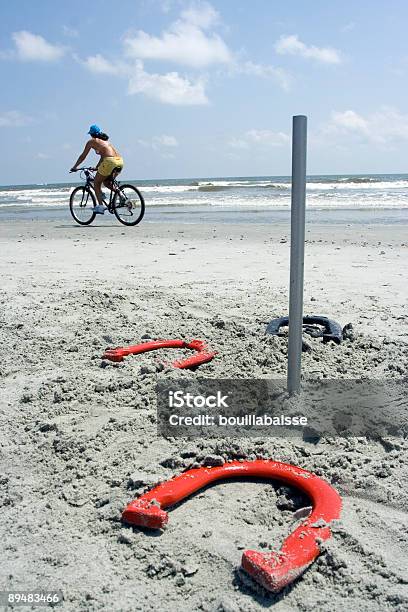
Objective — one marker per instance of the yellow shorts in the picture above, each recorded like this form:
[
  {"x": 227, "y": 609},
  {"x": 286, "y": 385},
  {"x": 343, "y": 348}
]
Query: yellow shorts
[{"x": 108, "y": 164}]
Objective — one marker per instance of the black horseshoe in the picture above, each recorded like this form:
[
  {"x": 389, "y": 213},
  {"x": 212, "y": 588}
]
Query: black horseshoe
[{"x": 332, "y": 330}]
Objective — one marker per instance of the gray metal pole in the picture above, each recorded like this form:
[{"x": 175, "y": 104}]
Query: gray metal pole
[{"x": 297, "y": 251}]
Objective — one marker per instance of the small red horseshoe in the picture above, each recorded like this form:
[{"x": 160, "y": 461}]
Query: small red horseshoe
[
  {"x": 273, "y": 570},
  {"x": 203, "y": 353}
]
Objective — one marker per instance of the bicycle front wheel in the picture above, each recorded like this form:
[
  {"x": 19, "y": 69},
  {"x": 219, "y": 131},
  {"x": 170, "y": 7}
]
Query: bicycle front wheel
[
  {"x": 128, "y": 205},
  {"x": 81, "y": 204}
]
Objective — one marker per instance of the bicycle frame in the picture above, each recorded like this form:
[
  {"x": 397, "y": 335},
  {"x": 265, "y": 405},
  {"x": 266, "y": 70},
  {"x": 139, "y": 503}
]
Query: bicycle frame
[{"x": 111, "y": 178}]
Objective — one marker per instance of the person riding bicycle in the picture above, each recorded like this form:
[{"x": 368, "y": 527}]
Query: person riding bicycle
[{"x": 110, "y": 160}]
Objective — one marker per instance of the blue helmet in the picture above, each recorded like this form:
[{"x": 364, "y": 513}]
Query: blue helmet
[{"x": 94, "y": 130}]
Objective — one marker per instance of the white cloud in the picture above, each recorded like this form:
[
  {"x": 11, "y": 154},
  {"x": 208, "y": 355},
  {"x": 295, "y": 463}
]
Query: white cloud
[
  {"x": 32, "y": 47},
  {"x": 268, "y": 137},
  {"x": 188, "y": 41},
  {"x": 201, "y": 15},
  {"x": 14, "y": 119},
  {"x": 386, "y": 126},
  {"x": 238, "y": 143},
  {"x": 254, "y": 137},
  {"x": 349, "y": 120},
  {"x": 98, "y": 64},
  {"x": 43, "y": 156},
  {"x": 291, "y": 45},
  {"x": 166, "y": 141},
  {"x": 185, "y": 42},
  {"x": 265, "y": 71},
  {"x": 160, "y": 142},
  {"x": 169, "y": 88}
]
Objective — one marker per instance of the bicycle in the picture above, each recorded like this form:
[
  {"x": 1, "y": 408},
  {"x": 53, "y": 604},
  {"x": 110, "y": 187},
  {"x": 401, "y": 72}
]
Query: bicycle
[{"x": 125, "y": 201}]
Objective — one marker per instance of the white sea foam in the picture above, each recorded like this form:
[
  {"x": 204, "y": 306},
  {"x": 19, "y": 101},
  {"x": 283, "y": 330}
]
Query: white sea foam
[
  {"x": 377, "y": 186},
  {"x": 264, "y": 192}
]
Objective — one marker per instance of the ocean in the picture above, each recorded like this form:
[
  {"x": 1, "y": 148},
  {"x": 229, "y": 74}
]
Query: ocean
[{"x": 336, "y": 198}]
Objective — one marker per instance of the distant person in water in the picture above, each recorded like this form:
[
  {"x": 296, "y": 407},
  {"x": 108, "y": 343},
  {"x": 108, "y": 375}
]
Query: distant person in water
[{"x": 110, "y": 160}]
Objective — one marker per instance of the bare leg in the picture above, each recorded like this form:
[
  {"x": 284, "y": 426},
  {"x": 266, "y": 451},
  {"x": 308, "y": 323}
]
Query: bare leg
[
  {"x": 109, "y": 184},
  {"x": 98, "y": 180}
]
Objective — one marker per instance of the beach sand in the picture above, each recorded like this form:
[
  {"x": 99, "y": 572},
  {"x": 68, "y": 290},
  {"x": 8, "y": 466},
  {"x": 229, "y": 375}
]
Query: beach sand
[{"x": 79, "y": 435}]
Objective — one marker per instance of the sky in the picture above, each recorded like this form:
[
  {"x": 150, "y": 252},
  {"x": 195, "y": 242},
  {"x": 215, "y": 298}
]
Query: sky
[{"x": 203, "y": 89}]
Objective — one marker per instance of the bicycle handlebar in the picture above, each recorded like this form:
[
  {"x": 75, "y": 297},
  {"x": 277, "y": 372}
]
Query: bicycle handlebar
[{"x": 80, "y": 169}]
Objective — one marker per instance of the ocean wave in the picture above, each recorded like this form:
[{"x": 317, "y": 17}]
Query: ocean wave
[
  {"x": 339, "y": 192},
  {"x": 15, "y": 193},
  {"x": 224, "y": 185},
  {"x": 278, "y": 186},
  {"x": 211, "y": 187},
  {"x": 357, "y": 179},
  {"x": 367, "y": 186},
  {"x": 165, "y": 188}
]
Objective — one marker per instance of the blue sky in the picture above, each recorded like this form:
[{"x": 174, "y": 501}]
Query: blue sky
[{"x": 191, "y": 89}]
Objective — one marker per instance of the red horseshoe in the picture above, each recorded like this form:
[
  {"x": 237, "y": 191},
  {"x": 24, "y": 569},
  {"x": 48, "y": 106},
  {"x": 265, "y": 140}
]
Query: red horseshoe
[
  {"x": 203, "y": 353},
  {"x": 273, "y": 570}
]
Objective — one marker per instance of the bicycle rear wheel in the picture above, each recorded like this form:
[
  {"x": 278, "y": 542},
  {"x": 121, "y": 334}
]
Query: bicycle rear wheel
[
  {"x": 81, "y": 204},
  {"x": 128, "y": 205}
]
